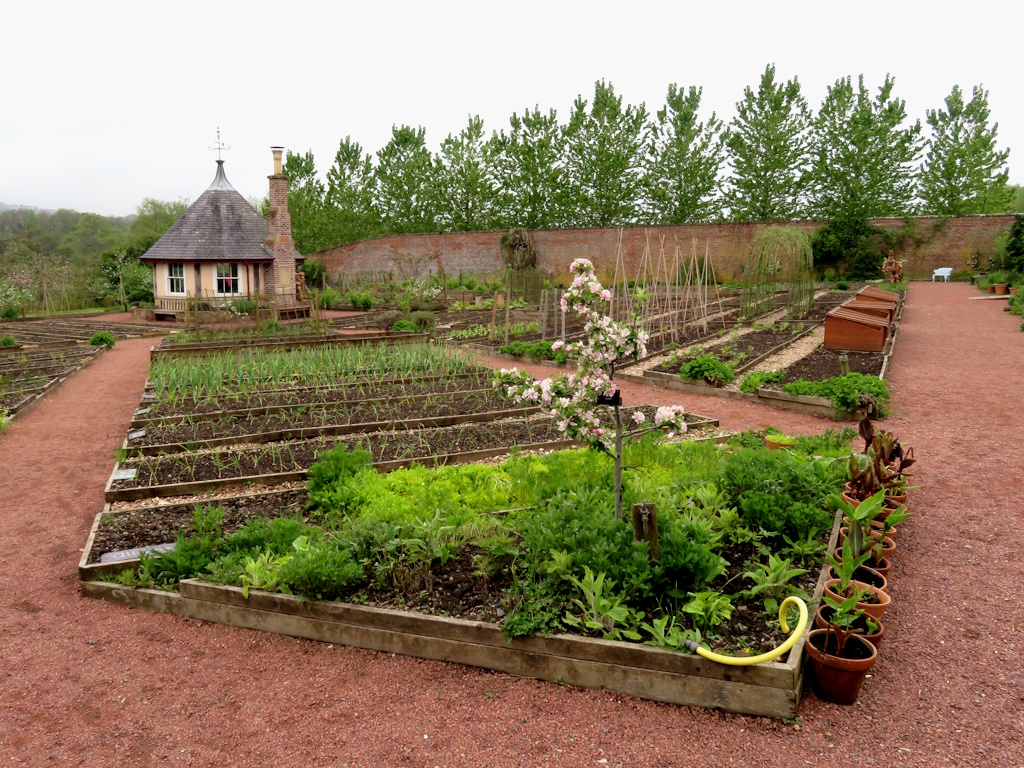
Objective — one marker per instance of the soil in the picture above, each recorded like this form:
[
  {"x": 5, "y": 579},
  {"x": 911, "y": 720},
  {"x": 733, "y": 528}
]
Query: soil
[
  {"x": 351, "y": 413},
  {"x": 825, "y": 363},
  {"x": 88, "y": 683},
  {"x": 303, "y": 396},
  {"x": 146, "y": 527},
  {"x": 741, "y": 350}
]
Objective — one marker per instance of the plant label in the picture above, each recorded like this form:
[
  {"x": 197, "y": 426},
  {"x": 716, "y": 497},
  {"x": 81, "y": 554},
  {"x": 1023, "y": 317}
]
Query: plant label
[
  {"x": 125, "y": 474},
  {"x": 137, "y": 434},
  {"x": 141, "y": 412},
  {"x": 132, "y": 554}
]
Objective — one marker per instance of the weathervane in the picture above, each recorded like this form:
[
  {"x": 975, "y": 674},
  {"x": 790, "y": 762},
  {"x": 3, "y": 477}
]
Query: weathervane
[{"x": 219, "y": 145}]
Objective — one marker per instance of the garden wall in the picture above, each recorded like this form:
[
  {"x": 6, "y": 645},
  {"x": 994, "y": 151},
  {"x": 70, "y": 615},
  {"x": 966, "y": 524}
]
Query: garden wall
[{"x": 950, "y": 243}]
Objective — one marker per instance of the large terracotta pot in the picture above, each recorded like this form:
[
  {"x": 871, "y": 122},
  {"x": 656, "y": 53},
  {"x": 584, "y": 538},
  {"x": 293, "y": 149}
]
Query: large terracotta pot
[
  {"x": 875, "y": 610},
  {"x": 821, "y": 622},
  {"x": 1001, "y": 288},
  {"x": 838, "y": 679},
  {"x": 992, "y": 289}
]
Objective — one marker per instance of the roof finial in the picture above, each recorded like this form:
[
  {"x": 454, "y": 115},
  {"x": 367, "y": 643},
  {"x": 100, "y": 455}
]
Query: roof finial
[{"x": 219, "y": 145}]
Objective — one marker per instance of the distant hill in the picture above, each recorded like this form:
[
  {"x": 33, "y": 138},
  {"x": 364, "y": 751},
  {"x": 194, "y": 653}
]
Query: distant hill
[{"x": 10, "y": 207}]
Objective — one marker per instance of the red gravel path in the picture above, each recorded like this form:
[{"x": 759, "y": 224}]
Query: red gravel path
[{"x": 87, "y": 683}]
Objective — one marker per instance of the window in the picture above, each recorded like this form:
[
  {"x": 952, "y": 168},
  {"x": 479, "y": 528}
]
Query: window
[
  {"x": 176, "y": 279},
  {"x": 227, "y": 278}
]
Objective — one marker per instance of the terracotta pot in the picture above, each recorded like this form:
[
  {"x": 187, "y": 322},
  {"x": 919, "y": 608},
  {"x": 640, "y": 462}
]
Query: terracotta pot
[
  {"x": 896, "y": 500},
  {"x": 875, "y": 610},
  {"x": 882, "y": 567},
  {"x": 771, "y": 445},
  {"x": 877, "y": 526},
  {"x": 991, "y": 289},
  {"x": 1013, "y": 291},
  {"x": 870, "y": 576},
  {"x": 821, "y": 622},
  {"x": 888, "y": 545},
  {"x": 1001, "y": 288},
  {"x": 838, "y": 679}
]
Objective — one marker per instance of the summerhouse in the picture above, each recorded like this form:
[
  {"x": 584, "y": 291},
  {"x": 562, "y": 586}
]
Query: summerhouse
[{"x": 222, "y": 253}]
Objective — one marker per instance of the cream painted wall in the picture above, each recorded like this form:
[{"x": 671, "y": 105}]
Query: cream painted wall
[{"x": 207, "y": 279}]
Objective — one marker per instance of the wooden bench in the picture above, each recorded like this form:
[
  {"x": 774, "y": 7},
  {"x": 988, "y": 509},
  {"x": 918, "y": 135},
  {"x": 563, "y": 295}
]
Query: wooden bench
[{"x": 943, "y": 272}]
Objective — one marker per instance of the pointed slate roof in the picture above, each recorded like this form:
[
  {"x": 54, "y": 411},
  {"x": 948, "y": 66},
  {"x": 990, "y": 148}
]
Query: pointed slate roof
[{"x": 220, "y": 226}]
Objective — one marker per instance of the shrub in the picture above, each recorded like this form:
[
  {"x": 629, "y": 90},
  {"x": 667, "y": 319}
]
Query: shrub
[
  {"x": 424, "y": 320},
  {"x": 777, "y": 491},
  {"x": 315, "y": 272},
  {"x": 536, "y": 350},
  {"x": 328, "y": 298},
  {"x": 842, "y": 285},
  {"x": 102, "y": 339},
  {"x": 845, "y": 392},
  {"x": 754, "y": 381},
  {"x": 360, "y": 300},
  {"x": 405, "y": 325},
  {"x": 8, "y": 341},
  {"x": 9, "y": 312},
  {"x": 708, "y": 368}
]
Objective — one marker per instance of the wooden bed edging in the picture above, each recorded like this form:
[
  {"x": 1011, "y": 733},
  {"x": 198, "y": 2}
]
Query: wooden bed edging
[
  {"x": 771, "y": 690},
  {"x": 326, "y": 430},
  {"x": 334, "y": 340}
]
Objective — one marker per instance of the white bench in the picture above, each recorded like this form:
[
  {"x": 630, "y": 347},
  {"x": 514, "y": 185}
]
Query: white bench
[{"x": 943, "y": 272}]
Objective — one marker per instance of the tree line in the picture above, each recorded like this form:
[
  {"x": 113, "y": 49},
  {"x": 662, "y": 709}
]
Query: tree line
[{"x": 609, "y": 164}]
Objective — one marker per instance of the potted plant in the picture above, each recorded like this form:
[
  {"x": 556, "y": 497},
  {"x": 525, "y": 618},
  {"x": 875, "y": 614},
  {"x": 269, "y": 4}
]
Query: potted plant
[
  {"x": 840, "y": 657},
  {"x": 775, "y": 441},
  {"x": 862, "y": 536},
  {"x": 869, "y": 599}
]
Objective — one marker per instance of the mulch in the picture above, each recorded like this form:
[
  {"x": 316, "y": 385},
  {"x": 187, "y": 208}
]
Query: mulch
[{"x": 87, "y": 683}]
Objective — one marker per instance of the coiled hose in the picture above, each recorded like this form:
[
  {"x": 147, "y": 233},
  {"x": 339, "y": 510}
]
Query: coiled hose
[{"x": 743, "y": 661}]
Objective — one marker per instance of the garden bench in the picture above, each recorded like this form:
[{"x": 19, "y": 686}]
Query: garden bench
[{"x": 943, "y": 272}]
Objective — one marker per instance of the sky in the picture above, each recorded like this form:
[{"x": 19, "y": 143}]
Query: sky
[{"x": 106, "y": 103}]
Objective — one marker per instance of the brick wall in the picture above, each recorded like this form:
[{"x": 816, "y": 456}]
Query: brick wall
[{"x": 950, "y": 243}]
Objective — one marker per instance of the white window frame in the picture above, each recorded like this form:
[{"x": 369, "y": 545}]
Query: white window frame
[
  {"x": 173, "y": 278},
  {"x": 233, "y": 276}
]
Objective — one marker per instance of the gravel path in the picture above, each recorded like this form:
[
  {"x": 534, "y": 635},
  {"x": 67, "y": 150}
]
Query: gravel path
[{"x": 85, "y": 683}]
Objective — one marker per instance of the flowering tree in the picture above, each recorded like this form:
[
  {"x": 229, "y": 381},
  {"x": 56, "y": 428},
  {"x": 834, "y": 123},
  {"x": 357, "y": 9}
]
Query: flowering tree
[{"x": 575, "y": 400}]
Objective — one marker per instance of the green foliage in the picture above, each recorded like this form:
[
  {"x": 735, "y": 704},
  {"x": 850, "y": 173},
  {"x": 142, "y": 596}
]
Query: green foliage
[
  {"x": 772, "y": 582},
  {"x": 768, "y": 152},
  {"x": 601, "y": 610},
  {"x": 707, "y": 610},
  {"x": 8, "y": 341},
  {"x": 535, "y": 350},
  {"x": 423, "y": 320},
  {"x": 708, "y": 368},
  {"x": 328, "y": 298},
  {"x": 863, "y": 158},
  {"x": 9, "y": 313},
  {"x": 405, "y": 325},
  {"x": 322, "y": 570},
  {"x": 667, "y": 634},
  {"x": 849, "y": 241},
  {"x": 842, "y": 285},
  {"x": 777, "y": 491},
  {"x": 963, "y": 172},
  {"x": 846, "y": 392},
  {"x": 756, "y": 380},
  {"x": 1014, "y": 258},
  {"x": 327, "y": 480},
  {"x": 102, "y": 339},
  {"x": 315, "y": 272},
  {"x": 359, "y": 300}
]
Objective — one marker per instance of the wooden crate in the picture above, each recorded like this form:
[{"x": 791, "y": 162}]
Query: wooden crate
[
  {"x": 848, "y": 329},
  {"x": 872, "y": 293},
  {"x": 884, "y": 309}
]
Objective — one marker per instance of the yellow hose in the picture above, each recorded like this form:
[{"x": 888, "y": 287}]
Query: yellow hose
[{"x": 743, "y": 661}]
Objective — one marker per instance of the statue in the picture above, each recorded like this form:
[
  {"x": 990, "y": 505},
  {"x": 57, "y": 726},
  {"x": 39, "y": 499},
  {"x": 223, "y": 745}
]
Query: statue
[{"x": 893, "y": 268}]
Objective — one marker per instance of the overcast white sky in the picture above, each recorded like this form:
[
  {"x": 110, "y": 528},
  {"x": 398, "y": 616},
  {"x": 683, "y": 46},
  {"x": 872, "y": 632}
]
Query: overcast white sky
[{"x": 105, "y": 103}]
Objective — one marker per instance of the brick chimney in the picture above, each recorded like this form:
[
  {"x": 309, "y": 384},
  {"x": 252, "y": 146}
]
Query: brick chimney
[{"x": 279, "y": 233}]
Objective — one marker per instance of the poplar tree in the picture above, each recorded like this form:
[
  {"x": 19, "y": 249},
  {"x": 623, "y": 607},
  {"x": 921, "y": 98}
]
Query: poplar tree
[
  {"x": 464, "y": 181},
  {"x": 686, "y": 156},
  {"x": 404, "y": 183},
  {"x": 350, "y": 194},
  {"x": 529, "y": 171},
  {"x": 863, "y": 153},
  {"x": 605, "y": 148},
  {"x": 963, "y": 171},
  {"x": 767, "y": 143}
]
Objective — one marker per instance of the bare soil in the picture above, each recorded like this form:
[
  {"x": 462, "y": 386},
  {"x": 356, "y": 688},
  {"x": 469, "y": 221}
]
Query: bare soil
[
  {"x": 86, "y": 683},
  {"x": 825, "y": 363}
]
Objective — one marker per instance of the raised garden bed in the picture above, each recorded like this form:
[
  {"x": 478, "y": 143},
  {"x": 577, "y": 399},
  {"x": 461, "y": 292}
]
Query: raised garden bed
[{"x": 283, "y": 345}]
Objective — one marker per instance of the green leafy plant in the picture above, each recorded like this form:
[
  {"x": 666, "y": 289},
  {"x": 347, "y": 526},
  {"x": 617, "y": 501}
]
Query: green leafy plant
[
  {"x": 756, "y": 380},
  {"x": 405, "y": 325},
  {"x": 847, "y": 393},
  {"x": 102, "y": 339},
  {"x": 771, "y": 582},
  {"x": 708, "y": 368},
  {"x": 601, "y": 610},
  {"x": 708, "y": 609},
  {"x": 666, "y": 633},
  {"x": 8, "y": 341}
]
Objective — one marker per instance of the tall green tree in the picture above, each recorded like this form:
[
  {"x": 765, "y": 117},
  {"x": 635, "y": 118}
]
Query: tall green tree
[
  {"x": 767, "y": 143},
  {"x": 686, "y": 156},
  {"x": 605, "y": 148},
  {"x": 405, "y": 193},
  {"x": 465, "y": 182},
  {"x": 154, "y": 217},
  {"x": 863, "y": 153},
  {"x": 963, "y": 171},
  {"x": 529, "y": 171},
  {"x": 350, "y": 187},
  {"x": 312, "y": 227}
]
